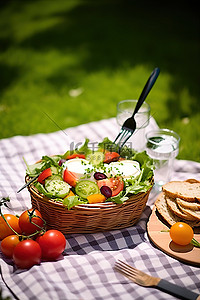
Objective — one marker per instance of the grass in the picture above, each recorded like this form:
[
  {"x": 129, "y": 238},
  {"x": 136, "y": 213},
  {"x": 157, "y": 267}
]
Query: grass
[{"x": 104, "y": 50}]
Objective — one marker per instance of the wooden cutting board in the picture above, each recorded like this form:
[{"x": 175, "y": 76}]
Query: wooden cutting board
[{"x": 156, "y": 229}]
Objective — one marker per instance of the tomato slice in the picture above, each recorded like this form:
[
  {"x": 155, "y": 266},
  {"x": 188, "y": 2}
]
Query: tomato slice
[
  {"x": 116, "y": 184},
  {"x": 75, "y": 155},
  {"x": 46, "y": 173},
  {"x": 70, "y": 178},
  {"x": 111, "y": 156}
]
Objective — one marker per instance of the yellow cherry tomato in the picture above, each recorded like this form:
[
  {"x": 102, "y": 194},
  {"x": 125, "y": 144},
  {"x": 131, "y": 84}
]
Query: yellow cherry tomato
[
  {"x": 96, "y": 198},
  {"x": 181, "y": 233}
]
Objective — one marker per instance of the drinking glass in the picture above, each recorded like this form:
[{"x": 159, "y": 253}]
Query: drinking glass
[
  {"x": 125, "y": 110},
  {"x": 162, "y": 146}
]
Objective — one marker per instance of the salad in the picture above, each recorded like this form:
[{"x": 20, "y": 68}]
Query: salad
[{"x": 83, "y": 175}]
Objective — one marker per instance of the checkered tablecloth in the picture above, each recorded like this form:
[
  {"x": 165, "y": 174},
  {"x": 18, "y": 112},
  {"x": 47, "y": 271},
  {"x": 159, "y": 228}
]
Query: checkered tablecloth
[{"x": 85, "y": 271}]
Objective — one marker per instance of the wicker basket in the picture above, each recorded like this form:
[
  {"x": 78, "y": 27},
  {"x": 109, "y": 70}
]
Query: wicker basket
[{"x": 89, "y": 218}]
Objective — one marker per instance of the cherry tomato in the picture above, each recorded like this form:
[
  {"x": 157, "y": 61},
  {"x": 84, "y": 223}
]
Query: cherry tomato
[
  {"x": 25, "y": 222},
  {"x": 46, "y": 173},
  {"x": 52, "y": 243},
  {"x": 116, "y": 184},
  {"x": 5, "y": 229},
  {"x": 70, "y": 178},
  {"x": 75, "y": 155},
  {"x": 181, "y": 233},
  {"x": 111, "y": 156},
  {"x": 27, "y": 254},
  {"x": 8, "y": 245}
]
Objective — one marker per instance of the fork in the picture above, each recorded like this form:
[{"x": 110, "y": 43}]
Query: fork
[
  {"x": 144, "y": 279},
  {"x": 129, "y": 125}
]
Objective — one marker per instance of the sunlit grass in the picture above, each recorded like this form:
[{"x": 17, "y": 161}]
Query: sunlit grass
[{"x": 62, "y": 59}]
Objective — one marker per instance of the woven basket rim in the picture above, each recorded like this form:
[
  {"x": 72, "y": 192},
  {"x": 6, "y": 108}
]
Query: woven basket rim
[{"x": 87, "y": 206}]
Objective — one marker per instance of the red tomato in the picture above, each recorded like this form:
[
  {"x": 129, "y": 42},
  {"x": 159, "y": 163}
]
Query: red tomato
[
  {"x": 27, "y": 219},
  {"x": 27, "y": 254},
  {"x": 5, "y": 229},
  {"x": 111, "y": 156},
  {"x": 116, "y": 184},
  {"x": 46, "y": 173},
  {"x": 181, "y": 233},
  {"x": 75, "y": 155},
  {"x": 70, "y": 178},
  {"x": 52, "y": 243},
  {"x": 8, "y": 245}
]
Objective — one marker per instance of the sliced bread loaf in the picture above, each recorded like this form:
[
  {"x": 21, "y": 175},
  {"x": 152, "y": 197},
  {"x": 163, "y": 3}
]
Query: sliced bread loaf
[
  {"x": 168, "y": 215},
  {"x": 182, "y": 189}
]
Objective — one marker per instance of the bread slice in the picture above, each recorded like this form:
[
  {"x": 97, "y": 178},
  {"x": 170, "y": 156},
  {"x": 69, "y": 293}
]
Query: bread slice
[
  {"x": 193, "y": 213},
  {"x": 164, "y": 210},
  {"x": 182, "y": 189},
  {"x": 168, "y": 215},
  {"x": 188, "y": 205},
  {"x": 177, "y": 211}
]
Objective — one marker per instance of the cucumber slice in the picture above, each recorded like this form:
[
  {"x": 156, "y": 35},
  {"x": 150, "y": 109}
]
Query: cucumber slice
[
  {"x": 54, "y": 177},
  {"x": 84, "y": 188},
  {"x": 56, "y": 186},
  {"x": 95, "y": 158}
]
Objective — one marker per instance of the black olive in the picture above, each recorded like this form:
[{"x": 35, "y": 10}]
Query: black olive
[
  {"x": 106, "y": 191},
  {"x": 99, "y": 176}
]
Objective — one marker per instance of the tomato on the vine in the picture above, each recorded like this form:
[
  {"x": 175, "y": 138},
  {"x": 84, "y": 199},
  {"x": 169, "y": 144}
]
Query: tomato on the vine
[
  {"x": 26, "y": 220},
  {"x": 8, "y": 244},
  {"x": 27, "y": 254},
  {"x": 52, "y": 243},
  {"x": 5, "y": 230},
  {"x": 181, "y": 233}
]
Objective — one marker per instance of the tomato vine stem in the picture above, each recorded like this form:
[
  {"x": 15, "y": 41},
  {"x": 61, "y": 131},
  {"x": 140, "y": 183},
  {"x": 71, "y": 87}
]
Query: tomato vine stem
[{"x": 4, "y": 201}]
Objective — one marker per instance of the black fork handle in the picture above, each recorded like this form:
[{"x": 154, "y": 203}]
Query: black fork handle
[
  {"x": 148, "y": 86},
  {"x": 178, "y": 291}
]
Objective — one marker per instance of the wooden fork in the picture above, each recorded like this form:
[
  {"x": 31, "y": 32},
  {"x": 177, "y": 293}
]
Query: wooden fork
[{"x": 144, "y": 279}]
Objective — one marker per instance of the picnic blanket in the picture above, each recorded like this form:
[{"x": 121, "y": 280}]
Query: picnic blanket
[{"x": 85, "y": 271}]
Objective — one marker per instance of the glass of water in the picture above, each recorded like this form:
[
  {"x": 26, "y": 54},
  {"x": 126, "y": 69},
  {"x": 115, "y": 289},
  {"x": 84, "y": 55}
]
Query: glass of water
[
  {"x": 162, "y": 146},
  {"x": 125, "y": 110}
]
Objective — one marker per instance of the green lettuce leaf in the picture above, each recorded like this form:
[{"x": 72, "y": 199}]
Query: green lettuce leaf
[
  {"x": 71, "y": 201},
  {"x": 119, "y": 199},
  {"x": 45, "y": 163},
  {"x": 84, "y": 149}
]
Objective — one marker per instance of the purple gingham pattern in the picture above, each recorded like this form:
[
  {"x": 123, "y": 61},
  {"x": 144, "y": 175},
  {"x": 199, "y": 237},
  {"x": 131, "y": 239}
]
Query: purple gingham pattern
[{"x": 85, "y": 271}]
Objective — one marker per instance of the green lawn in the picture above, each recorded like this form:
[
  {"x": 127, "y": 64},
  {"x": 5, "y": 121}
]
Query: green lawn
[{"x": 105, "y": 51}]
